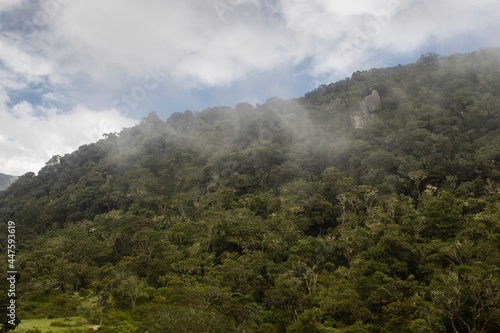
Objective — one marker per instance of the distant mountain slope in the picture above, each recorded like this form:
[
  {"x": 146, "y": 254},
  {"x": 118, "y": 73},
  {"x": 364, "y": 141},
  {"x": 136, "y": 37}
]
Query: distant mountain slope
[{"x": 6, "y": 181}]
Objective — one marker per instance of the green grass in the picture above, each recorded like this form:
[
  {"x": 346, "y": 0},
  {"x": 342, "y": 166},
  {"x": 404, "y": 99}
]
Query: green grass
[{"x": 44, "y": 325}]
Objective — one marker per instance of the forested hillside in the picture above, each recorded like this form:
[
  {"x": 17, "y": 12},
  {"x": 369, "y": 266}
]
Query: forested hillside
[{"x": 368, "y": 205}]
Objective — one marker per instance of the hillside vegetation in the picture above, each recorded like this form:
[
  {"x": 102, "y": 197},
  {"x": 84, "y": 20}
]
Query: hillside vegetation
[{"x": 368, "y": 205}]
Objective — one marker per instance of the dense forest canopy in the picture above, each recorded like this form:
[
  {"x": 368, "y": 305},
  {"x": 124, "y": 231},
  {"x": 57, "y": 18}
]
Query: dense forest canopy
[{"x": 368, "y": 205}]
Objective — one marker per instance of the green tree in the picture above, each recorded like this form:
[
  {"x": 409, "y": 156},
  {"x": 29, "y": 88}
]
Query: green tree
[
  {"x": 103, "y": 288},
  {"x": 443, "y": 215},
  {"x": 469, "y": 297},
  {"x": 132, "y": 287}
]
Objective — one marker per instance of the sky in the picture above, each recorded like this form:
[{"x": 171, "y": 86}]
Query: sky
[{"x": 72, "y": 70}]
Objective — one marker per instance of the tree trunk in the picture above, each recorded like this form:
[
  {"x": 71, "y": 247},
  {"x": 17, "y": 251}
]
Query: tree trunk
[
  {"x": 100, "y": 312},
  {"x": 132, "y": 300}
]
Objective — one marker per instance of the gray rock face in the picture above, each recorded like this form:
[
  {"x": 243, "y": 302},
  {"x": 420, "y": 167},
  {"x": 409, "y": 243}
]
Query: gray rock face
[
  {"x": 368, "y": 106},
  {"x": 373, "y": 102},
  {"x": 357, "y": 121}
]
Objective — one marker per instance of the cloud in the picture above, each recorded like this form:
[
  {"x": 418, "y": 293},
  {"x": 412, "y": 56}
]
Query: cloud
[
  {"x": 187, "y": 39},
  {"x": 201, "y": 44},
  {"x": 31, "y": 135},
  {"x": 342, "y": 37},
  {"x": 8, "y": 4}
]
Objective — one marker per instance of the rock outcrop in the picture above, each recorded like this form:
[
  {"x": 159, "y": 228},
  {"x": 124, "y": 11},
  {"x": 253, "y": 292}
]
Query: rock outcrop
[
  {"x": 368, "y": 106},
  {"x": 373, "y": 102}
]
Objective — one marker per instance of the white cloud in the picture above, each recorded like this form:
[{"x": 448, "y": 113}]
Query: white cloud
[
  {"x": 21, "y": 62},
  {"x": 29, "y": 139},
  {"x": 187, "y": 39},
  {"x": 198, "y": 47},
  {"x": 7, "y": 4},
  {"x": 190, "y": 41}
]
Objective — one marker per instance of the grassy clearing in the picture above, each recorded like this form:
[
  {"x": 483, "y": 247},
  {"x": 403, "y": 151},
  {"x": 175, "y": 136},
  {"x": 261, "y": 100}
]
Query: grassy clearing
[{"x": 55, "y": 325}]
